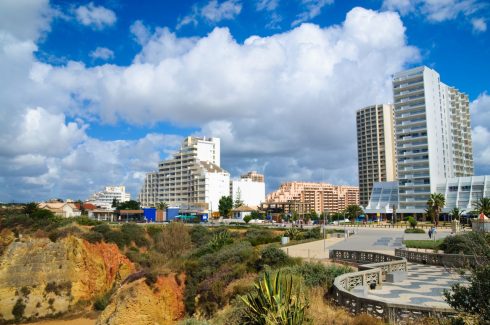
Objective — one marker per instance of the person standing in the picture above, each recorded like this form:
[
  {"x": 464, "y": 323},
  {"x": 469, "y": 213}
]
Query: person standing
[{"x": 430, "y": 233}]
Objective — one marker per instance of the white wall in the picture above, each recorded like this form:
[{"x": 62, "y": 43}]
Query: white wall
[
  {"x": 251, "y": 193},
  {"x": 217, "y": 185}
]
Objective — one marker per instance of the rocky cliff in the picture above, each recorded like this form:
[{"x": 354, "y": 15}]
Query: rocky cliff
[
  {"x": 141, "y": 303},
  {"x": 41, "y": 278}
]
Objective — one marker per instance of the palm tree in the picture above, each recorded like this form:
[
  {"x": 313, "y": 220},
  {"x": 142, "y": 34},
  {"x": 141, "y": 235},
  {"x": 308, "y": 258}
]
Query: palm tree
[
  {"x": 482, "y": 205},
  {"x": 162, "y": 206},
  {"x": 435, "y": 203},
  {"x": 456, "y": 214}
]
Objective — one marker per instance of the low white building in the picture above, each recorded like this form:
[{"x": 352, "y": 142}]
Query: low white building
[
  {"x": 61, "y": 209},
  {"x": 251, "y": 191},
  {"x": 463, "y": 192},
  {"x": 105, "y": 198}
]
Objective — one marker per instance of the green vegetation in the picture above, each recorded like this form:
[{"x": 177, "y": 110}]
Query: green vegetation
[
  {"x": 225, "y": 206},
  {"x": 423, "y": 244},
  {"x": 353, "y": 211},
  {"x": 412, "y": 222},
  {"x": 434, "y": 206},
  {"x": 275, "y": 301},
  {"x": 317, "y": 274},
  {"x": 414, "y": 231},
  {"x": 128, "y": 205},
  {"x": 18, "y": 310},
  {"x": 483, "y": 205},
  {"x": 470, "y": 299}
]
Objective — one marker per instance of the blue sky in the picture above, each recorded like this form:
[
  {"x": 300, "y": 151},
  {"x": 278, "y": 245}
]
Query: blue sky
[{"x": 94, "y": 93}]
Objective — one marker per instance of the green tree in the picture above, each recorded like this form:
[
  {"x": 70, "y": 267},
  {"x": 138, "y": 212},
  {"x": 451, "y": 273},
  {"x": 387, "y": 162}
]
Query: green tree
[
  {"x": 483, "y": 205},
  {"x": 314, "y": 216},
  {"x": 353, "y": 211},
  {"x": 412, "y": 222},
  {"x": 129, "y": 205},
  {"x": 225, "y": 206},
  {"x": 295, "y": 216},
  {"x": 238, "y": 200},
  {"x": 115, "y": 203},
  {"x": 30, "y": 208},
  {"x": 257, "y": 215},
  {"x": 247, "y": 218},
  {"x": 436, "y": 202},
  {"x": 456, "y": 214},
  {"x": 82, "y": 208}
]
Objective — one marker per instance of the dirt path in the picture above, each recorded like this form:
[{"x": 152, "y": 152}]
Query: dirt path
[{"x": 76, "y": 321}]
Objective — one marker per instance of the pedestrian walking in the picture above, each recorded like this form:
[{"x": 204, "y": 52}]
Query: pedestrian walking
[{"x": 430, "y": 233}]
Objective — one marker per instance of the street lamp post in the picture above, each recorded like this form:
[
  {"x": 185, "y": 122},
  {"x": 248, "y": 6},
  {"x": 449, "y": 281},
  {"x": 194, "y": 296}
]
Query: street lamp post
[{"x": 324, "y": 230}]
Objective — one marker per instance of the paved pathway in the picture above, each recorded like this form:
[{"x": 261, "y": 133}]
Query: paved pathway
[{"x": 424, "y": 286}]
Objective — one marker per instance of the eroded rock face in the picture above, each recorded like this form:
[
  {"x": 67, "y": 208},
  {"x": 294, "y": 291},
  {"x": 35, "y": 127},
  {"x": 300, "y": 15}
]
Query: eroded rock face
[
  {"x": 138, "y": 303},
  {"x": 39, "y": 278}
]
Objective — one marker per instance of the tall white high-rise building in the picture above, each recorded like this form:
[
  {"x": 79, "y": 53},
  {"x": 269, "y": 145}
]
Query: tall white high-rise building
[
  {"x": 192, "y": 178},
  {"x": 375, "y": 148},
  {"x": 433, "y": 135}
]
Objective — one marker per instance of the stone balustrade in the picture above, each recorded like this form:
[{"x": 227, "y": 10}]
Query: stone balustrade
[
  {"x": 446, "y": 260},
  {"x": 373, "y": 269}
]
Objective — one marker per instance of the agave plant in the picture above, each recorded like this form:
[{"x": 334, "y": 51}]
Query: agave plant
[
  {"x": 220, "y": 239},
  {"x": 275, "y": 300},
  {"x": 291, "y": 233}
]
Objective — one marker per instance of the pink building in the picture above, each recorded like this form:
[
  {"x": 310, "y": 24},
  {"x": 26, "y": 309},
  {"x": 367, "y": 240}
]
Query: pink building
[{"x": 322, "y": 196}]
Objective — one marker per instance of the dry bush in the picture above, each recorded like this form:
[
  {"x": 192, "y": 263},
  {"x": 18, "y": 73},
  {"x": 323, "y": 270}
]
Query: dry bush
[
  {"x": 174, "y": 240},
  {"x": 324, "y": 313}
]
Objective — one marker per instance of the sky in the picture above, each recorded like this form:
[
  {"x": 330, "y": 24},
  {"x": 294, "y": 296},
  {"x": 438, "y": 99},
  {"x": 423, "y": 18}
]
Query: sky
[{"x": 95, "y": 93}]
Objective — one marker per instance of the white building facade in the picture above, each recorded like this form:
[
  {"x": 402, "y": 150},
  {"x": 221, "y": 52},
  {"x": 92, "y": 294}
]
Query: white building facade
[
  {"x": 463, "y": 192},
  {"x": 433, "y": 135},
  {"x": 250, "y": 190},
  {"x": 105, "y": 198},
  {"x": 191, "y": 178}
]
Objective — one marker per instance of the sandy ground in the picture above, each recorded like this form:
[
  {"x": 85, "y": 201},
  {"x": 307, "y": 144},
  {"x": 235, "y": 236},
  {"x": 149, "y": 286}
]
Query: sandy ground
[{"x": 77, "y": 321}]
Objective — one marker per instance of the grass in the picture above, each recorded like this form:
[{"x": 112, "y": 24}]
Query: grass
[{"x": 423, "y": 244}]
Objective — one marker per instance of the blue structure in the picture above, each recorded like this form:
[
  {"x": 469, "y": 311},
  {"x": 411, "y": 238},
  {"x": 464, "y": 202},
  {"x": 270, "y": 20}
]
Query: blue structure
[
  {"x": 150, "y": 214},
  {"x": 172, "y": 213}
]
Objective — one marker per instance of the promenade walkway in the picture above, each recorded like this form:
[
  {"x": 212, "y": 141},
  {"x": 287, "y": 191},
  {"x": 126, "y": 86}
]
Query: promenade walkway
[{"x": 424, "y": 285}]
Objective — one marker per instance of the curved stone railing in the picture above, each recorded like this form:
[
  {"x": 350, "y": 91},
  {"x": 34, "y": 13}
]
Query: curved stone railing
[
  {"x": 446, "y": 260},
  {"x": 373, "y": 270}
]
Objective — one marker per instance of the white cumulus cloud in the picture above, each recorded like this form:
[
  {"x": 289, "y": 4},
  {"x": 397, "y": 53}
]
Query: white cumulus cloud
[
  {"x": 97, "y": 17},
  {"x": 213, "y": 12},
  {"x": 312, "y": 8},
  {"x": 102, "y": 53},
  {"x": 442, "y": 10}
]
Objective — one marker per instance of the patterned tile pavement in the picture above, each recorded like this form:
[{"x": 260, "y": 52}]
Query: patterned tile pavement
[{"x": 423, "y": 286}]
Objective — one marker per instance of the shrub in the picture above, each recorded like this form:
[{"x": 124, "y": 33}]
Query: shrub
[
  {"x": 292, "y": 233},
  {"x": 317, "y": 274},
  {"x": 135, "y": 256},
  {"x": 134, "y": 233},
  {"x": 93, "y": 237},
  {"x": 86, "y": 221},
  {"x": 413, "y": 223},
  {"x": 220, "y": 239},
  {"x": 471, "y": 243},
  {"x": 153, "y": 231},
  {"x": 102, "y": 228},
  {"x": 25, "y": 291},
  {"x": 116, "y": 237},
  {"x": 247, "y": 218},
  {"x": 258, "y": 236},
  {"x": 64, "y": 232},
  {"x": 18, "y": 310},
  {"x": 273, "y": 257},
  {"x": 414, "y": 231},
  {"x": 313, "y": 233},
  {"x": 274, "y": 301},
  {"x": 174, "y": 240},
  {"x": 200, "y": 235},
  {"x": 102, "y": 302}
]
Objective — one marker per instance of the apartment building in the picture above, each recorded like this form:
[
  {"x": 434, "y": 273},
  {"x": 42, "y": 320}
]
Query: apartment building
[
  {"x": 105, "y": 198},
  {"x": 464, "y": 192},
  {"x": 433, "y": 135},
  {"x": 191, "y": 178},
  {"x": 148, "y": 195},
  {"x": 375, "y": 148},
  {"x": 321, "y": 196},
  {"x": 249, "y": 188}
]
